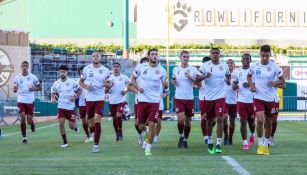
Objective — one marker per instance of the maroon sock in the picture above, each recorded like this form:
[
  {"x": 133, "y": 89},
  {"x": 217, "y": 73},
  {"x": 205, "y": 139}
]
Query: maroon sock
[
  {"x": 187, "y": 130},
  {"x": 231, "y": 131},
  {"x": 120, "y": 124},
  {"x": 137, "y": 128},
  {"x": 180, "y": 128},
  {"x": 274, "y": 126},
  {"x": 23, "y": 128},
  {"x": 97, "y": 132},
  {"x": 115, "y": 124},
  {"x": 203, "y": 124},
  {"x": 85, "y": 127}
]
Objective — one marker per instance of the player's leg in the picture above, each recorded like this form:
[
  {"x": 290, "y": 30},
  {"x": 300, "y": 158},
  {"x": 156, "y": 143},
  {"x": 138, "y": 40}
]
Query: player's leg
[
  {"x": 232, "y": 113},
  {"x": 153, "y": 112},
  {"x": 113, "y": 108},
  {"x": 23, "y": 126},
  {"x": 225, "y": 127},
  {"x": 71, "y": 117},
  {"x": 189, "y": 113},
  {"x": 269, "y": 114},
  {"x": 158, "y": 126},
  {"x": 119, "y": 118},
  {"x": 140, "y": 137},
  {"x": 61, "y": 121},
  {"x": 29, "y": 111},
  {"x": 82, "y": 113},
  {"x": 259, "y": 111},
  {"x": 90, "y": 118},
  {"x": 219, "y": 111},
  {"x": 251, "y": 123},
  {"x": 98, "y": 105},
  {"x": 180, "y": 110},
  {"x": 203, "y": 121},
  {"x": 243, "y": 121},
  {"x": 274, "y": 125}
]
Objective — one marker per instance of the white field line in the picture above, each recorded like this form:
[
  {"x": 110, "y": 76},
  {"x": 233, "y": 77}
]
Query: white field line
[
  {"x": 43, "y": 127},
  {"x": 236, "y": 166}
]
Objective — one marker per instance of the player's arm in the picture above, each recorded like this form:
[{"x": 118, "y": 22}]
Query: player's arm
[
  {"x": 250, "y": 82},
  {"x": 280, "y": 83},
  {"x": 134, "y": 83},
  {"x": 202, "y": 75},
  {"x": 37, "y": 87},
  {"x": 15, "y": 88},
  {"x": 130, "y": 87},
  {"x": 85, "y": 86},
  {"x": 53, "y": 94}
]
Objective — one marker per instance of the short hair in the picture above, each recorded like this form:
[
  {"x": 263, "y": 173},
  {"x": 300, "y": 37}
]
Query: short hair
[
  {"x": 116, "y": 63},
  {"x": 25, "y": 62},
  {"x": 214, "y": 48},
  {"x": 80, "y": 69},
  {"x": 143, "y": 59},
  {"x": 184, "y": 51},
  {"x": 230, "y": 60},
  {"x": 150, "y": 50},
  {"x": 206, "y": 58},
  {"x": 247, "y": 54},
  {"x": 265, "y": 48},
  {"x": 63, "y": 67}
]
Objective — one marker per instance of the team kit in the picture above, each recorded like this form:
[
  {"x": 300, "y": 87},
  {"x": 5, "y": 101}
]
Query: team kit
[{"x": 224, "y": 91}]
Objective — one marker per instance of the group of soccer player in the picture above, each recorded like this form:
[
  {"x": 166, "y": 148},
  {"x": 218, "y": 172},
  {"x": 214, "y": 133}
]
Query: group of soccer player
[{"x": 250, "y": 91}]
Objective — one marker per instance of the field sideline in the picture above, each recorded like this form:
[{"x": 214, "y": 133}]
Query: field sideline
[{"x": 42, "y": 155}]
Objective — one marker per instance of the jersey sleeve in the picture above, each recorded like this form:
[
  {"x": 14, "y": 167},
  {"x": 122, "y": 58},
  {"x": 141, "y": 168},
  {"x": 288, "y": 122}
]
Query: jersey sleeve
[
  {"x": 84, "y": 73},
  {"x": 194, "y": 72},
  {"x": 202, "y": 70},
  {"x": 76, "y": 86},
  {"x": 235, "y": 77},
  {"x": 163, "y": 76},
  {"x": 174, "y": 73},
  {"x": 53, "y": 88},
  {"x": 227, "y": 73},
  {"x": 107, "y": 74},
  {"x": 35, "y": 81},
  {"x": 278, "y": 71},
  {"x": 16, "y": 81},
  {"x": 137, "y": 71},
  {"x": 251, "y": 70}
]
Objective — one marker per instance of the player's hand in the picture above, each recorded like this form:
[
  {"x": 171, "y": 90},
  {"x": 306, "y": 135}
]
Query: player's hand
[
  {"x": 245, "y": 84},
  {"x": 208, "y": 75},
  {"x": 271, "y": 83},
  {"x": 15, "y": 89},
  {"x": 253, "y": 88},
  {"x": 89, "y": 87},
  {"x": 235, "y": 87},
  {"x": 53, "y": 99},
  {"x": 141, "y": 90},
  {"x": 175, "y": 82},
  {"x": 31, "y": 89}
]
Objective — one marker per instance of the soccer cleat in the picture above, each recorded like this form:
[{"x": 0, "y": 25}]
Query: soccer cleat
[
  {"x": 65, "y": 145},
  {"x": 180, "y": 142},
  {"x": 251, "y": 141},
  {"x": 266, "y": 150},
  {"x": 185, "y": 144},
  {"x": 96, "y": 149},
  {"x": 260, "y": 150},
  {"x": 155, "y": 141},
  {"x": 148, "y": 153},
  {"x": 225, "y": 141},
  {"x": 87, "y": 140},
  {"x": 24, "y": 141},
  {"x": 245, "y": 147},
  {"x": 218, "y": 149},
  {"x": 211, "y": 149},
  {"x": 33, "y": 128}
]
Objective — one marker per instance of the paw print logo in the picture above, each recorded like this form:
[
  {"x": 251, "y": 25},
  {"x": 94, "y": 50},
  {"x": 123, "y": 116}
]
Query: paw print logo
[{"x": 182, "y": 11}]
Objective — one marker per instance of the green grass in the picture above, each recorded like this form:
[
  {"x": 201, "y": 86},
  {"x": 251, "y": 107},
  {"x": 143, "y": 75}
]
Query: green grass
[{"x": 44, "y": 156}]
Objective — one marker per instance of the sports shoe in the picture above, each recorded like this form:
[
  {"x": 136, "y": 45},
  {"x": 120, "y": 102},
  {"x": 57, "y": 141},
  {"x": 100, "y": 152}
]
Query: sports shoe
[
  {"x": 225, "y": 140},
  {"x": 266, "y": 150},
  {"x": 245, "y": 147},
  {"x": 218, "y": 149},
  {"x": 87, "y": 139},
  {"x": 260, "y": 150},
  {"x": 148, "y": 153},
  {"x": 180, "y": 142},
  {"x": 211, "y": 149},
  {"x": 24, "y": 140},
  {"x": 33, "y": 128},
  {"x": 251, "y": 141},
  {"x": 96, "y": 149},
  {"x": 65, "y": 145},
  {"x": 155, "y": 141},
  {"x": 185, "y": 144}
]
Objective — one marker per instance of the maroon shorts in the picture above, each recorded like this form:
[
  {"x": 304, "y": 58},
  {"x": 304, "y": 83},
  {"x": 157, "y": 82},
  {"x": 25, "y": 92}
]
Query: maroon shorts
[
  {"x": 94, "y": 107},
  {"x": 116, "y": 108},
  {"x": 231, "y": 110},
  {"x": 201, "y": 105},
  {"x": 245, "y": 110},
  {"x": 276, "y": 108},
  {"x": 27, "y": 108},
  {"x": 186, "y": 106},
  {"x": 215, "y": 108},
  {"x": 146, "y": 111},
  {"x": 135, "y": 111},
  {"x": 267, "y": 107},
  {"x": 68, "y": 114},
  {"x": 82, "y": 112}
]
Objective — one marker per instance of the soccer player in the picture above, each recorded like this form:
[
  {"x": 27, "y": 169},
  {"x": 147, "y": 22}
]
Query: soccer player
[
  {"x": 141, "y": 136},
  {"x": 67, "y": 90},
  {"x": 26, "y": 83},
  {"x": 203, "y": 122},
  {"x": 230, "y": 108},
  {"x": 151, "y": 76},
  {"x": 183, "y": 78},
  {"x": 93, "y": 79},
  {"x": 215, "y": 74},
  {"x": 158, "y": 126},
  {"x": 245, "y": 101},
  {"x": 264, "y": 73},
  {"x": 117, "y": 91},
  {"x": 82, "y": 112}
]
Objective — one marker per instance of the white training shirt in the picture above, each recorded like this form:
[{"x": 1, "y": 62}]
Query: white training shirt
[
  {"x": 231, "y": 95},
  {"x": 150, "y": 81},
  {"x": 66, "y": 90},
  {"x": 24, "y": 83},
  {"x": 95, "y": 77},
  {"x": 201, "y": 95},
  {"x": 215, "y": 85},
  {"x": 184, "y": 86},
  {"x": 244, "y": 93},
  {"x": 119, "y": 84},
  {"x": 262, "y": 75}
]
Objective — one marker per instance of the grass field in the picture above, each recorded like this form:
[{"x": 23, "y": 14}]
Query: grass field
[{"x": 42, "y": 155}]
